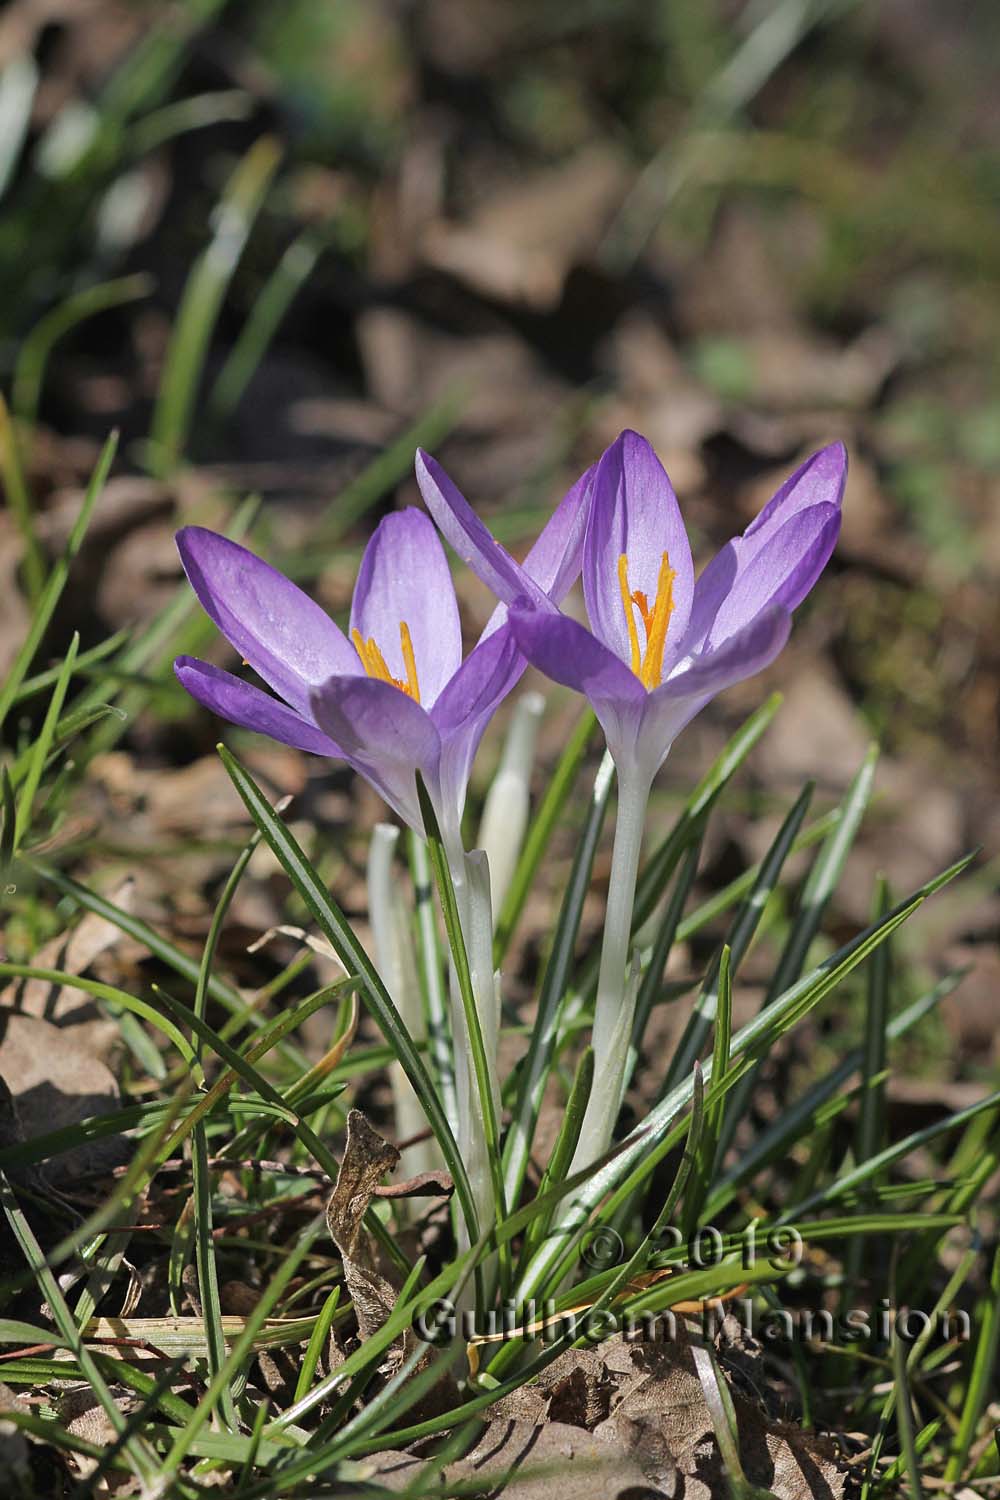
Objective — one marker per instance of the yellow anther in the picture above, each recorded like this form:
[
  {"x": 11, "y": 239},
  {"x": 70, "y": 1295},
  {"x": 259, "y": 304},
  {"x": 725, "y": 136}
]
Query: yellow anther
[
  {"x": 633, "y": 634},
  {"x": 648, "y": 667},
  {"x": 376, "y": 665},
  {"x": 409, "y": 661}
]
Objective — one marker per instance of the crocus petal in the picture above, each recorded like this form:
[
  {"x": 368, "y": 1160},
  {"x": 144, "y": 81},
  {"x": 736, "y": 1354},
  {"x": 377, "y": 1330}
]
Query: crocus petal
[
  {"x": 782, "y": 572},
  {"x": 634, "y": 512},
  {"x": 553, "y": 563},
  {"x": 819, "y": 481},
  {"x": 695, "y": 682},
  {"x": 404, "y": 576},
  {"x": 816, "y": 484},
  {"x": 570, "y": 654},
  {"x": 464, "y": 709},
  {"x": 747, "y": 651},
  {"x": 287, "y": 638},
  {"x": 463, "y": 530},
  {"x": 242, "y": 703},
  {"x": 384, "y": 735}
]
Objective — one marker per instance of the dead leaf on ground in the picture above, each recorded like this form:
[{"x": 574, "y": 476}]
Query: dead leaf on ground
[
  {"x": 367, "y": 1158},
  {"x": 525, "y": 238},
  {"x": 55, "y": 1085},
  {"x": 73, "y": 952},
  {"x": 370, "y": 1280},
  {"x": 624, "y": 1420}
]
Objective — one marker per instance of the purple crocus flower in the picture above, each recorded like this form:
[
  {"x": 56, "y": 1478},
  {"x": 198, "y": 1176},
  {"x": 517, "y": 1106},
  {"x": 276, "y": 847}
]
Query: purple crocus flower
[
  {"x": 392, "y": 697},
  {"x": 660, "y": 645}
]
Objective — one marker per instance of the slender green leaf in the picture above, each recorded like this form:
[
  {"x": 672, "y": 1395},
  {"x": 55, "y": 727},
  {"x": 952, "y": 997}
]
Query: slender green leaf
[
  {"x": 562, "y": 1153},
  {"x": 19, "y": 501},
  {"x": 40, "y": 749},
  {"x": 821, "y": 882},
  {"x": 29, "y": 372},
  {"x": 56, "y": 581},
  {"x": 739, "y": 940},
  {"x": 534, "y": 1068},
  {"x": 202, "y": 302},
  {"x": 338, "y": 933},
  {"x": 981, "y": 1377}
]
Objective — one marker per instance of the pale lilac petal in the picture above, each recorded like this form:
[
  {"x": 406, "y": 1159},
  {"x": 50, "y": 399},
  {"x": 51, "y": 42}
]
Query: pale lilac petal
[
  {"x": 634, "y": 512},
  {"x": 745, "y": 653},
  {"x": 404, "y": 576},
  {"x": 287, "y": 638},
  {"x": 782, "y": 572},
  {"x": 464, "y": 709},
  {"x": 570, "y": 654},
  {"x": 817, "y": 484},
  {"x": 670, "y": 707},
  {"x": 554, "y": 560},
  {"x": 384, "y": 735},
  {"x": 243, "y": 704},
  {"x": 819, "y": 481},
  {"x": 470, "y": 539}
]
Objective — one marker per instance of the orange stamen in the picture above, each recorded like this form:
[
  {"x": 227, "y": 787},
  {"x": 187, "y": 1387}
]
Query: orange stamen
[
  {"x": 648, "y": 667},
  {"x": 376, "y": 665},
  {"x": 412, "y": 687},
  {"x": 633, "y": 634}
]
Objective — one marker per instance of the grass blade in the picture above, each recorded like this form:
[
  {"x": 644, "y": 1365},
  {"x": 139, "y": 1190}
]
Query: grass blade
[
  {"x": 456, "y": 942},
  {"x": 202, "y": 302},
  {"x": 19, "y": 500},
  {"x": 740, "y": 937},
  {"x": 821, "y": 882},
  {"x": 562, "y": 1154},
  {"x": 40, "y": 749},
  {"x": 339, "y": 935},
  {"x": 29, "y": 372},
  {"x": 56, "y": 580},
  {"x": 534, "y": 1068},
  {"x": 980, "y": 1376}
]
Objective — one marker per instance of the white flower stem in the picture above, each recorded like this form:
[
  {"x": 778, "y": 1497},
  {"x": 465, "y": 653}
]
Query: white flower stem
[
  {"x": 471, "y": 879},
  {"x": 508, "y": 801},
  {"x": 396, "y": 963},
  {"x": 614, "y": 1007}
]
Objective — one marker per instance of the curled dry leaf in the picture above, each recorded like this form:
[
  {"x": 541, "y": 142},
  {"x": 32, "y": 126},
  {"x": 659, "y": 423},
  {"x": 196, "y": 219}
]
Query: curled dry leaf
[{"x": 367, "y": 1158}]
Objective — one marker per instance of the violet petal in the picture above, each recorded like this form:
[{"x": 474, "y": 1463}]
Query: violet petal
[
  {"x": 287, "y": 638},
  {"x": 384, "y": 734},
  {"x": 568, "y": 653},
  {"x": 634, "y": 512},
  {"x": 243, "y": 704},
  {"x": 404, "y": 576},
  {"x": 469, "y": 537}
]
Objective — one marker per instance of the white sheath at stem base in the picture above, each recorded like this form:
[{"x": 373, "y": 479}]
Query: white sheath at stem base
[
  {"x": 471, "y": 879},
  {"x": 508, "y": 801},
  {"x": 614, "y": 1008},
  {"x": 396, "y": 963}
]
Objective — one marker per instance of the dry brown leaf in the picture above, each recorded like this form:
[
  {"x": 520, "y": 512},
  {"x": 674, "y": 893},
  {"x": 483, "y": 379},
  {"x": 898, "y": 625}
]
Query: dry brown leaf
[
  {"x": 367, "y": 1158},
  {"x": 630, "y": 1419},
  {"x": 55, "y": 1084},
  {"x": 73, "y": 952},
  {"x": 526, "y": 237}
]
